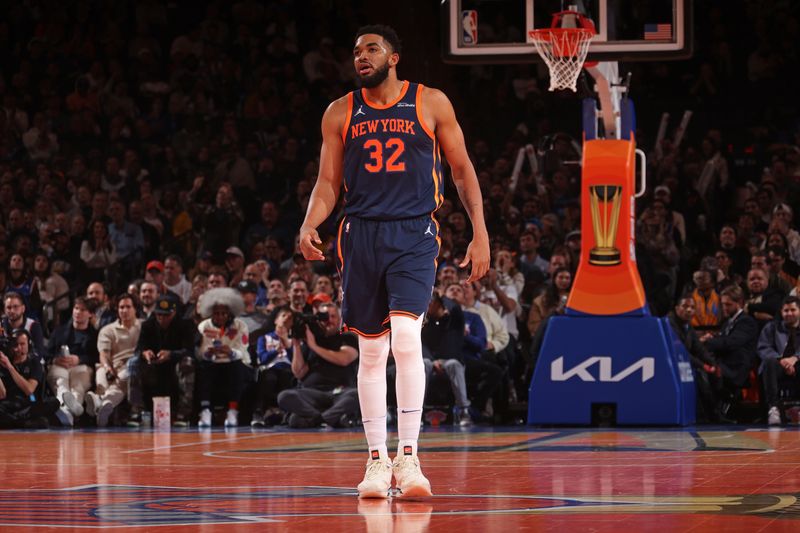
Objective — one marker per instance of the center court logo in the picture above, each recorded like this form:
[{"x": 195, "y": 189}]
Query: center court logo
[{"x": 106, "y": 506}]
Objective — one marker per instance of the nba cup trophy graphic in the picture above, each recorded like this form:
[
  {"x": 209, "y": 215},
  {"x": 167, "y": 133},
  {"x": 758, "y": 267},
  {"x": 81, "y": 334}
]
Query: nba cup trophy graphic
[
  {"x": 604, "y": 223},
  {"x": 606, "y": 360}
]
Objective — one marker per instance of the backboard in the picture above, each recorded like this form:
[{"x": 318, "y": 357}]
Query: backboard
[{"x": 496, "y": 31}]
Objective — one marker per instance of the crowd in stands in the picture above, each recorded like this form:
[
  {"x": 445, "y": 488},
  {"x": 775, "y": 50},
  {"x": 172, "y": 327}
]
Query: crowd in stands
[{"x": 156, "y": 160}]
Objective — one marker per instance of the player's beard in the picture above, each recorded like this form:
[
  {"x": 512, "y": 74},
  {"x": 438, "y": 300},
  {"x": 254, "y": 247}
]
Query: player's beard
[{"x": 376, "y": 78}]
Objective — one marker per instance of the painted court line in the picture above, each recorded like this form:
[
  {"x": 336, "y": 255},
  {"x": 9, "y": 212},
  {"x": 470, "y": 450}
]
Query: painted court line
[{"x": 215, "y": 441}]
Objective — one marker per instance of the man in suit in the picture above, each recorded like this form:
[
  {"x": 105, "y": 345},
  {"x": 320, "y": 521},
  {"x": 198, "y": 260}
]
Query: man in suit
[{"x": 734, "y": 347}]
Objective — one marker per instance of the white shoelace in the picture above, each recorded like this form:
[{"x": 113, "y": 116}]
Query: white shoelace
[
  {"x": 408, "y": 468},
  {"x": 375, "y": 469}
]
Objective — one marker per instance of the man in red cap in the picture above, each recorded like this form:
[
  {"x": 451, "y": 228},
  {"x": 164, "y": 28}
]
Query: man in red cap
[{"x": 155, "y": 272}]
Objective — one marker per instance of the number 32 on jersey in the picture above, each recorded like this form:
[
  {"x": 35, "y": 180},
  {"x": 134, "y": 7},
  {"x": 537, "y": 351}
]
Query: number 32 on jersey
[{"x": 391, "y": 151}]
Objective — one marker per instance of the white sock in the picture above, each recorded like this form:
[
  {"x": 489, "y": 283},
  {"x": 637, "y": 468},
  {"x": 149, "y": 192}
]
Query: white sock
[
  {"x": 406, "y": 447},
  {"x": 372, "y": 355},
  {"x": 410, "y": 384}
]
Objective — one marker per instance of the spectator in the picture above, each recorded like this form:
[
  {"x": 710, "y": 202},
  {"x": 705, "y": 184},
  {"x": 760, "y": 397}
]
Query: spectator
[
  {"x": 223, "y": 359},
  {"x": 324, "y": 285},
  {"x": 252, "y": 317},
  {"x": 725, "y": 275},
  {"x": 762, "y": 303},
  {"x": 128, "y": 241},
  {"x": 234, "y": 263},
  {"x": 40, "y": 141},
  {"x": 274, "y": 351},
  {"x": 22, "y": 283},
  {"x": 703, "y": 363},
  {"x": 260, "y": 276},
  {"x": 728, "y": 241},
  {"x": 72, "y": 354},
  {"x": 52, "y": 287},
  {"x": 497, "y": 336},
  {"x": 708, "y": 311},
  {"x": 760, "y": 260},
  {"x": 442, "y": 340},
  {"x": 502, "y": 287},
  {"x": 221, "y": 222},
  {"x": 217, "y": 279},
  {"x": 276, "y": 296},
  {"x": 782, "y": 267},
  {"x": 530, "y": 262},
  {"x": 154, "y": 273},
  {"x": 674, "y": 218},
  {"x": 115, "y": 344},
  {"x": 148, "y": 222},
  {"x": 484, "y": 377},
  {"x": 779, "y": 351},
  {"x": 782, "y": 221},
  {"x": 734, "y": 348},
  {"x": 102, "y": 313},
  {"x": 98, "y": 252},
  {"x": 324, "y": 362},
  {"x": 269, "y": 225},
  {"x": 202, "y": 265},
  {"x": 14, "y": 319},
  {"x": 148, "y": 293},
  {"x": 552, "y": 301},
  {"x": 174, "y": 280},
  {"x": 163, "y": 363},
  {"x": 656, "y": 238}
]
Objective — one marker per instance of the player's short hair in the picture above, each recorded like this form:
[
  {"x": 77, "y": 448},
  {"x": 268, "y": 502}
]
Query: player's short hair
[{"x": 387, "y": 32}]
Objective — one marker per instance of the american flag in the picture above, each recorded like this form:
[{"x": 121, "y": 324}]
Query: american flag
[{"x": 657, "y": 32}]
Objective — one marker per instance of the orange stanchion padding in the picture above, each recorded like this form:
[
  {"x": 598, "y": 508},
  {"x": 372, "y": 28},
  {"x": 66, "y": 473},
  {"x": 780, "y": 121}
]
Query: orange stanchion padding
[{"x": 607, "y": 281}]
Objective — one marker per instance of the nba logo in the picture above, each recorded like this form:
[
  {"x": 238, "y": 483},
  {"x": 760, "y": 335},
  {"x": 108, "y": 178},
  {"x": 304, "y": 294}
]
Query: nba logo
[{"x": 469, "y": 27}]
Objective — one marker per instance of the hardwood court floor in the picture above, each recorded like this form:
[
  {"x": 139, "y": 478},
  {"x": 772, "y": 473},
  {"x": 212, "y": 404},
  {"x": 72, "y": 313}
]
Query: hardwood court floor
[{"x": 528, "y": 479}]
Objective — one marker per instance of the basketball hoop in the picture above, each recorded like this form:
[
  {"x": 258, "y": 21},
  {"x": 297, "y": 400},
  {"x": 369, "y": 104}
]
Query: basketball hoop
[{"x": 564, "y": 48}]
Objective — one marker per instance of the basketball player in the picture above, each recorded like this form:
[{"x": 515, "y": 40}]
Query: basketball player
[{"x": 383, "y": 144}]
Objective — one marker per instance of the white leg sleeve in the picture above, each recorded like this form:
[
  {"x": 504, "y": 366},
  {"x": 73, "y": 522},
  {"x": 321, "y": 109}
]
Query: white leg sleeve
[
  {"x": 407, "y": 352},
  {"x": 372, "y": 356}
]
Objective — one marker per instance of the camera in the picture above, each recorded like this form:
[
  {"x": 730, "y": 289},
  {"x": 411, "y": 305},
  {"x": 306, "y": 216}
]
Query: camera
[
  {"x": 314, "y": 322},
  {"x": 8, "y": 346}
]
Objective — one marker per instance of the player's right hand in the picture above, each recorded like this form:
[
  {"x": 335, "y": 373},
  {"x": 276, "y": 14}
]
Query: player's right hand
[{"x": 309, "y": 242}]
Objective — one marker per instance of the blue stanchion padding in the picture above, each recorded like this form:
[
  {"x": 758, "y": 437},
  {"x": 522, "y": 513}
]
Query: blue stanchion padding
[
  {"x": 627, "y": 119},
  {"x": 589, "y": 113},
  {"x": 635, "y": 363}
]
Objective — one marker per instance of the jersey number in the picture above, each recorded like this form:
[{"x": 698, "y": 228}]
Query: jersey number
[{"x": 375, "y": 148}]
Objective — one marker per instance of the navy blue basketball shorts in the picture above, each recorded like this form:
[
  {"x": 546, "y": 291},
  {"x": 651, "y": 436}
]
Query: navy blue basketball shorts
[{"x": 388, "y": 267}]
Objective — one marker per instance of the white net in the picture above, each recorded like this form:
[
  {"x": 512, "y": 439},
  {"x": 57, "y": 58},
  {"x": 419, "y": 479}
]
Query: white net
[{"x": 564, "y": 51}]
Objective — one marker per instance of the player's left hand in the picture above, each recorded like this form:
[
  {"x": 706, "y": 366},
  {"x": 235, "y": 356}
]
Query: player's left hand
[
  {"x": 478, "y": 255},
  {"x": 310, "y": 243}
]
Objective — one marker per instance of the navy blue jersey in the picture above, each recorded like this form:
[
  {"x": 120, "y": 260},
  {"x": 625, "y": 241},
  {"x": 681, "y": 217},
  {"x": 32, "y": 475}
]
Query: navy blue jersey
[{"x": 392, "y": 165}]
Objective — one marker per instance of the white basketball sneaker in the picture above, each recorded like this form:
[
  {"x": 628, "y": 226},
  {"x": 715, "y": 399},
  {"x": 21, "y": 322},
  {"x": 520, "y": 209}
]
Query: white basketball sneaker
[
  {"x": 410, "y": 482},
  {"x": 377, "y": 482}
]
